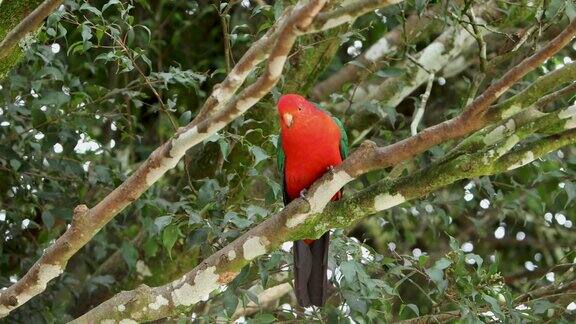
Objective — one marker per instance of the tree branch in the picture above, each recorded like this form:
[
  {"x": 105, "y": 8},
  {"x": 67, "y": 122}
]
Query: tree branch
[
  {"x": 31, "y": 22},
  {"x": 265, "y": 299},
  {"x": 415, "y": 28},
  {"x": 348, "y": 13},
  {"x": 220, "y": 268},
  {"x": 438, "y": 54},
  {"x": 301, "y": 217}
]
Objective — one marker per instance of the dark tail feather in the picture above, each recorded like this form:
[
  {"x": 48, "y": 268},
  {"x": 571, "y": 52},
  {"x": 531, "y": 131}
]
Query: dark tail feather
[{"x": 310, "y": 266}]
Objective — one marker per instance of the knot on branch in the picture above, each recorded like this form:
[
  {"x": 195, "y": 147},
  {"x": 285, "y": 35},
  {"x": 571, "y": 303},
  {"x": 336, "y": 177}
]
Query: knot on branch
[
  {"x": 142, "y": 290},
  {"x": 9, "y": 301},
  {"x": 368, "y": 145},
  {"x": 80, "y": 213}
]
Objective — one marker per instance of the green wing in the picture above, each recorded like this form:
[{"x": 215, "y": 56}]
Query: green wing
[
  {"x": 280, "y": 159},
  {"x": 344, "y": 151}
]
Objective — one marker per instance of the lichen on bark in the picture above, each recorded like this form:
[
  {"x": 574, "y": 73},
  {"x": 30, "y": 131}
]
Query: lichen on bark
[{"x": 11, "y": 13}]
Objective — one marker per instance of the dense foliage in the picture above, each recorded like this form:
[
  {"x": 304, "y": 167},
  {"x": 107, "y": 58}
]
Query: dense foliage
[{"x": 103, "y": 83}]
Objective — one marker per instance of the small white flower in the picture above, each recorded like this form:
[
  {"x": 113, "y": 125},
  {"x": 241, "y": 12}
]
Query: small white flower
[
  {"x": 392, "y": 246},
  {"x": 500, "y": 232},
  {"x": 560, "y": 218},
  {"x": 522, "y": 307},
  {"x": 468, "y": 196},
  {"x": 530, "y": 266},
  {"x": 58, "y": 148},
  {"x": 485, "y": 203},
  {"x": 571, "y": 307},
  {"x": 538, "y": 257},
  {"x": 561, "y": 185},
  {"x": 550, "y": 276},
  {"x": 416, "y": 253},
  {"x": 441, "y": 81},
  {"x": 287, "y": 246},
  {"x": 470, "y": 185},
  {"x": 520, "y": 236},
  {"x": 467, "y": 247},
  {"x": 548, "y": 217},
  {"x": 55, "y": 48}
]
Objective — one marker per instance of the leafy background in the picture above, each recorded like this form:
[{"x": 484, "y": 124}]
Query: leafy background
[{"x": 103, "y": 83}]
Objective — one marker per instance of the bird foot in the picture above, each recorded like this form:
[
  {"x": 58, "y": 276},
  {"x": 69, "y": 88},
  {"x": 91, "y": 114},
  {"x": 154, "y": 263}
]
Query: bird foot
[
  {"x": 303, "y": 193},
  {"x": 330, "y": 169}
]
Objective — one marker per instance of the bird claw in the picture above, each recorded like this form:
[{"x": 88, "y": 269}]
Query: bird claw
[
  {"x": 303, "y": 193},
  {"x": 330, "y": 169}
]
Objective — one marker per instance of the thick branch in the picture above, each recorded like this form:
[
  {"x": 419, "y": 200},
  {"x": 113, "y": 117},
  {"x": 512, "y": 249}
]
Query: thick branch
[
  {"x": 348, "y": 13},
  {"x": 220, "y": 268},
  {"x": 28, "y": 24}
]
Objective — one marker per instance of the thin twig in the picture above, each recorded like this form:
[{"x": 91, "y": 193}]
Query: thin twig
[{"x": 419, "y": 113}]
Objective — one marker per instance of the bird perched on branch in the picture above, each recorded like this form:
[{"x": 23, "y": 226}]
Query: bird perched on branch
[{"x": 311, "y": 142}]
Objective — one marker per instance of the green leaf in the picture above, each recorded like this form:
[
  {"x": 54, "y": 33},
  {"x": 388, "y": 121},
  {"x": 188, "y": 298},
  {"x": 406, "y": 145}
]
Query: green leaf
[
  {"x": 421, "y": 5},
  {"x": 570, "y": 9},
  {"x": 540, "y": 306},
  {"x": 150, "y": 248},
  {"x": 414, "y": 308},
  {"x": 15, "y": 164},
  {"x": 48, "y": 219},
  {"x": 185, "y": 118},
  {"x": 110, "y": 3},
  {"x": 442, "y": 264},
  {"x": 348, "y": 269},
  {"x": 264, "y": 318},
  {"x": 162, "y": 222},
  {"x": 87, "y": 7},
  {"x": 259, "y": 154},
  {"x": 495, "y": 307},
  {"x": 105, "y": 281},
  {"x": 129, "y": 254},
  {"x": 389, "y": 72},
  {"x": 86, "y": 32},
  {"x": 169, "y": 237},
  {"x": 230, "y": 301},
  {"x": 355, "y": 301}
]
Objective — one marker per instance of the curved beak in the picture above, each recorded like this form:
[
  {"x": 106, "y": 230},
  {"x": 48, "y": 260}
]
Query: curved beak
[{"x": 288, "y": 119}]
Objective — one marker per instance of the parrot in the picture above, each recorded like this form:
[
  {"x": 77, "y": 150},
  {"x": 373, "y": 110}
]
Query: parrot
[{"x": 311, "y": 143}]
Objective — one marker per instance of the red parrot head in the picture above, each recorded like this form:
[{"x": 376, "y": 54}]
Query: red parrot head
[{"x": 292, "y": 108}]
